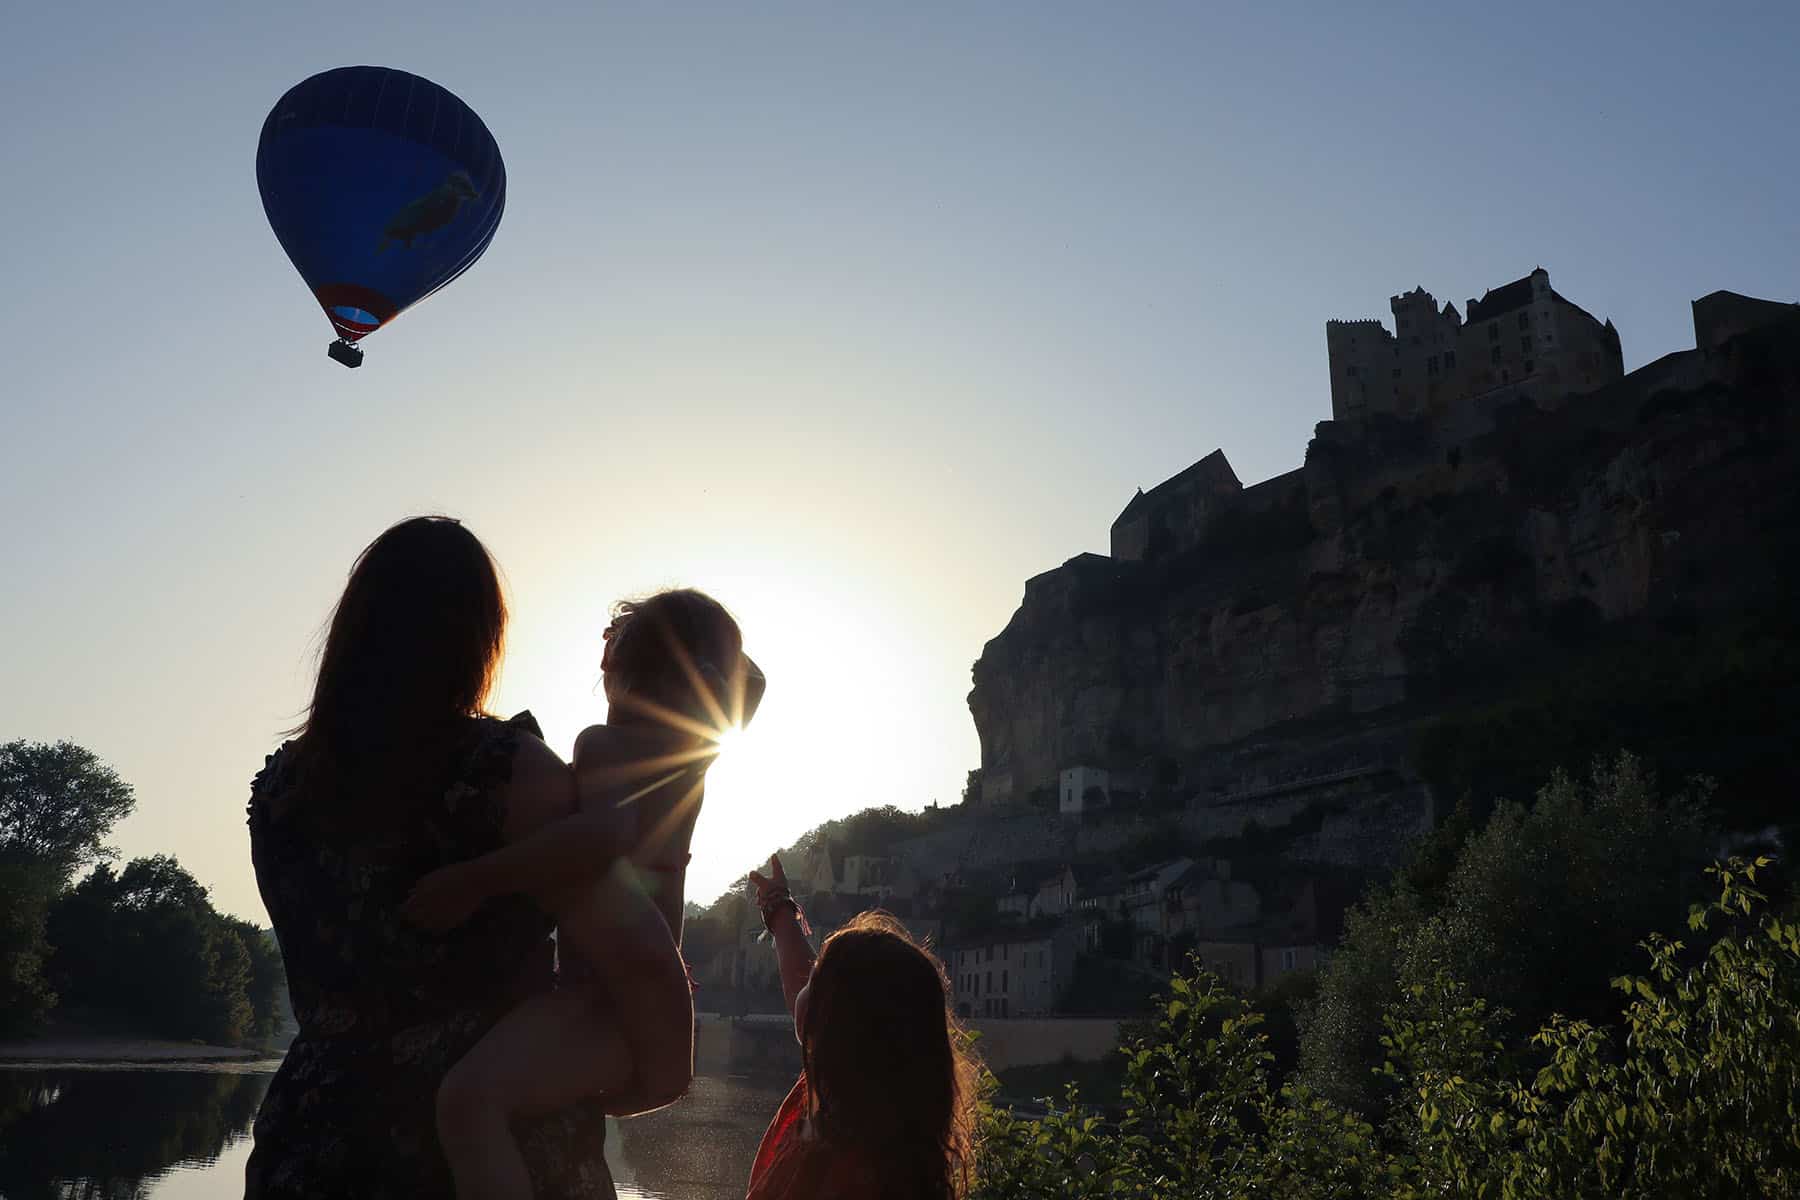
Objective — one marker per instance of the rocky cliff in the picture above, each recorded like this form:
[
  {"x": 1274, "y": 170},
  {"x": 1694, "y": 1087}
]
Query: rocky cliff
[{"x": 1409, "y": 564}]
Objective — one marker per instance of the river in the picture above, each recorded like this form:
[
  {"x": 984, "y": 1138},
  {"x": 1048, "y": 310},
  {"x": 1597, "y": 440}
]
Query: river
[{"x": 183, "y": 1133}]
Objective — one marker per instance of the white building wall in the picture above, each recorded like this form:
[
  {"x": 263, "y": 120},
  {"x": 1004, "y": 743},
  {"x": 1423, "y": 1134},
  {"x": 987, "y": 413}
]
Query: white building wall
[{"x": 1074, "y": 784}]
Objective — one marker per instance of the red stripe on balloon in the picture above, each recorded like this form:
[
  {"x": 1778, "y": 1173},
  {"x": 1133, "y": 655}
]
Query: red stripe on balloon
[{"x": 355, "y": 295}]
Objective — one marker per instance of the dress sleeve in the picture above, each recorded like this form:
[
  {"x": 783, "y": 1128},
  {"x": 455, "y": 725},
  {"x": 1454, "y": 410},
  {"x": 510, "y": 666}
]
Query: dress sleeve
[
  {"x": 266, "y": 783},
  {"x": 524, "y": 722}
]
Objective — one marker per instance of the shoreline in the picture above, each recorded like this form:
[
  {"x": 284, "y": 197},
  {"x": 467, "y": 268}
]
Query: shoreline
[{"x": 98, "y": 1049}]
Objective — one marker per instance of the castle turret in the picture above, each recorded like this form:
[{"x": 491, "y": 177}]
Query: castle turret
[{"x": 1521, "y": 332}]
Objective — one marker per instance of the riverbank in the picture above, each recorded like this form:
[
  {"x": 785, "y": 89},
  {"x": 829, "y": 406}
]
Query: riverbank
[{"x": 79, "y": 1049}]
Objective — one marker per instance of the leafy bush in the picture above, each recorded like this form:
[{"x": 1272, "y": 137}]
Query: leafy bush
[
  {"x": 1694, "y": 1090},
  {"x": 1535, "y": 911}
]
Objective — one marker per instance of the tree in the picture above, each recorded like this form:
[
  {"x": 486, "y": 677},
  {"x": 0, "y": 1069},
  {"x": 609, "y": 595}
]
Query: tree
[
  {"x": 25, "y": 994},
  {"x": 146, "y": 944},
  {"x": 1541, "y": 907},
  {"x": 265, "y": 986},
  {"x": 57, "y": 804}
]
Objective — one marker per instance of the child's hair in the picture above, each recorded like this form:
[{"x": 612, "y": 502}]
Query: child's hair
[
  {"x": 886, "y": 1062},
  {"x": 680, "y": 651}
]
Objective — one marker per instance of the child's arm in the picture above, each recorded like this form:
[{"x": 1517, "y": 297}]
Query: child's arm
[
  {"x": 793, "y": 953},
  {"x": 577, "y": 848},
  {"x": 658, "y": 776}
]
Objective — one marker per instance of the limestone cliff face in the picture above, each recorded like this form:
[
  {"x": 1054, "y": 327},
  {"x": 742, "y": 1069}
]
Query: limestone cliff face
[{"x": 1407, "y": 563}]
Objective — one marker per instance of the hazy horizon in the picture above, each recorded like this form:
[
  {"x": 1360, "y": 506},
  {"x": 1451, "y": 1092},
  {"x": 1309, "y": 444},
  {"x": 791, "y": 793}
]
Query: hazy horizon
[{"x": 857, "y": 319}]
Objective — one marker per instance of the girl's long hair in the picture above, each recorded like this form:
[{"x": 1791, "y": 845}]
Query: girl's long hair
[
  {"x": 886, "y": 1062},
  {"x": 414, "y": 646}
]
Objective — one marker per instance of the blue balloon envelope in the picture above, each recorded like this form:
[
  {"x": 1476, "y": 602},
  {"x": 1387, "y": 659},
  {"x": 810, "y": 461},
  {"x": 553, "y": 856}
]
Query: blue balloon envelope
[{"x": 382, "y": 187}]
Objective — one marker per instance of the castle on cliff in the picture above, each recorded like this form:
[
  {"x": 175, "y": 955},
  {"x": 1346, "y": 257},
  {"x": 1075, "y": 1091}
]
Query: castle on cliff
[
  {"x": 1520, "y": 341},
  {"x": 1522, "y": 332}
]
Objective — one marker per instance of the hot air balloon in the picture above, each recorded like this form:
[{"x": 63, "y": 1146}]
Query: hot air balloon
[{"x": 382, "y": 187}]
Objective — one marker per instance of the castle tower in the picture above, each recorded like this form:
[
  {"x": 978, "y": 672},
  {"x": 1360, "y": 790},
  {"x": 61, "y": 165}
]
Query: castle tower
[
  {"x": 1521, "y": 333},
  {"x": 1361, "y": 355}
]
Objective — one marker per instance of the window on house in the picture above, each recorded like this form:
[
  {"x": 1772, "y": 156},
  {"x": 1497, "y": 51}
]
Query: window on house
[
  {"x": 1496, "y": 354},
  {"x": 1525, "y": 320},
  {"x": 1525, "y": 345},
  {"x": 1289, "y": 959},
  {"x": 1396, "y": 372},
  {"x": 1431, "y": 365},
  {"x": 990, "y": 981},
  {"x": 1494, "y": 332},
  {"x": 1449, "y": 359},
  {"x": 1350, "y": 371},
  {"x": 1004, "y": 985},
  {"x": 1529, "y": 366}
]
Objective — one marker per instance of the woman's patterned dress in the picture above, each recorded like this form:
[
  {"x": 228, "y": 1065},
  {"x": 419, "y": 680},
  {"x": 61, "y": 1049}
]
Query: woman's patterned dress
[{"x": 384, "y": 1008}]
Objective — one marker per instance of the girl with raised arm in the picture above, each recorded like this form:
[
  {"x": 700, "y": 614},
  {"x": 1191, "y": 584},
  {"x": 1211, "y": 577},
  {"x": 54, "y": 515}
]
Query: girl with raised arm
[{"x": 884, "y": 1106}]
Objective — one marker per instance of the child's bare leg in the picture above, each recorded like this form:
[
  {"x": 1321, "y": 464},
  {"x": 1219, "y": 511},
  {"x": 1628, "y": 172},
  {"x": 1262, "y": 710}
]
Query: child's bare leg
[
  {"x": 555, "y": 1049},
  {"x": 649, "y": 999}
]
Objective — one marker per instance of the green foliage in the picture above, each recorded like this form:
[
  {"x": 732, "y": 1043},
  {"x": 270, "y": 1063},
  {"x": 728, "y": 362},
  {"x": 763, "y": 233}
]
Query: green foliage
[
  {"x": 57, "y": 804},
  {"x": 145, "y": 945},
  {"x": 26, "y": 892},
  {"x": 1693, "y": 1089},
  {"x": 870, "y": 831},
  {"x": 1714, "y": 703},
  {"x": 1536, "y": 912},
  {"x": 265, "y": 984},
  {"x": 1102, "y": 985},
  {"x": 1341, "y": 1037}
]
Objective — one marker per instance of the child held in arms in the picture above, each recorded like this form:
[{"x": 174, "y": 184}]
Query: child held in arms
[
  {"x": 676, "y": 678},
  {"x": 884, "y": 1106}
]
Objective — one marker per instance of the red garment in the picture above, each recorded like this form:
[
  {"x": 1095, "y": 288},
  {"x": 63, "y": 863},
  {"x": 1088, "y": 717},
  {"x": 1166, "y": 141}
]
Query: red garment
[{"x": 792, "y": 1166}]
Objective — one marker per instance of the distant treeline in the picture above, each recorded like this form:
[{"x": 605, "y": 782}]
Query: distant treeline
[{"x": 140, "y": 948}]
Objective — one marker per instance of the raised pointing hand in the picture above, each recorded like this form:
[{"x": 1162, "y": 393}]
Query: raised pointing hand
[{"x": 774, "y": 881}]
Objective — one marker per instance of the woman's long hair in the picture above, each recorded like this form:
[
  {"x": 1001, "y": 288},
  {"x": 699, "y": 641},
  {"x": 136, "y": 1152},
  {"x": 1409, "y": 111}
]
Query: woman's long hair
[
  {"x": 886, "y": 1065},
  {"x": 413, "y": 650}
]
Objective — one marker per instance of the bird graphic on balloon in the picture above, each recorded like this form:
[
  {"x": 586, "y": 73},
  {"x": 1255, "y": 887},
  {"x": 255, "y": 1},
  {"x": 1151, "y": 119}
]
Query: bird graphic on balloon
[
  {"x": 430, "y": 212},
  {"x": 340, "y": 164}
]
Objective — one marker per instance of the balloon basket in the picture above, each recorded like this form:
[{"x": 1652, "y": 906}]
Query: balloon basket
[{"x": 346, "y": 353}]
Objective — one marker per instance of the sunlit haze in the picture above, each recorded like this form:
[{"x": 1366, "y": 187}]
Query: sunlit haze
[{"x": 855, "y": 317}]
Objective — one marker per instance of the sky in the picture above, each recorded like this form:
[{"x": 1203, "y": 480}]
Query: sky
[{"x": 855, "y": 315}]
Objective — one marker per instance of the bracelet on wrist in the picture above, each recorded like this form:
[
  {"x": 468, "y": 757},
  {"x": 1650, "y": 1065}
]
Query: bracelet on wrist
[{"x": 777, "y": 902}]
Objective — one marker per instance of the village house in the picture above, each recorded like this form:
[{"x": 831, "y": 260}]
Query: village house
[
  {"x": 1100, "y": 900},
  {"x": 1144, "y": 893},
  {"x": 1291, "y": 933},
  {"x": 1018, "y": 974}
]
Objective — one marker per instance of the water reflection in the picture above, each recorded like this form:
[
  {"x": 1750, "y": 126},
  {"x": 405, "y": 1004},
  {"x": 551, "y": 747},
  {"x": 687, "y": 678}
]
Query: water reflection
[
  {"x": 702, "y": 1147},
  {"x": 73, "y": 1134},
  {"x": 134, "y": 1133}
]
